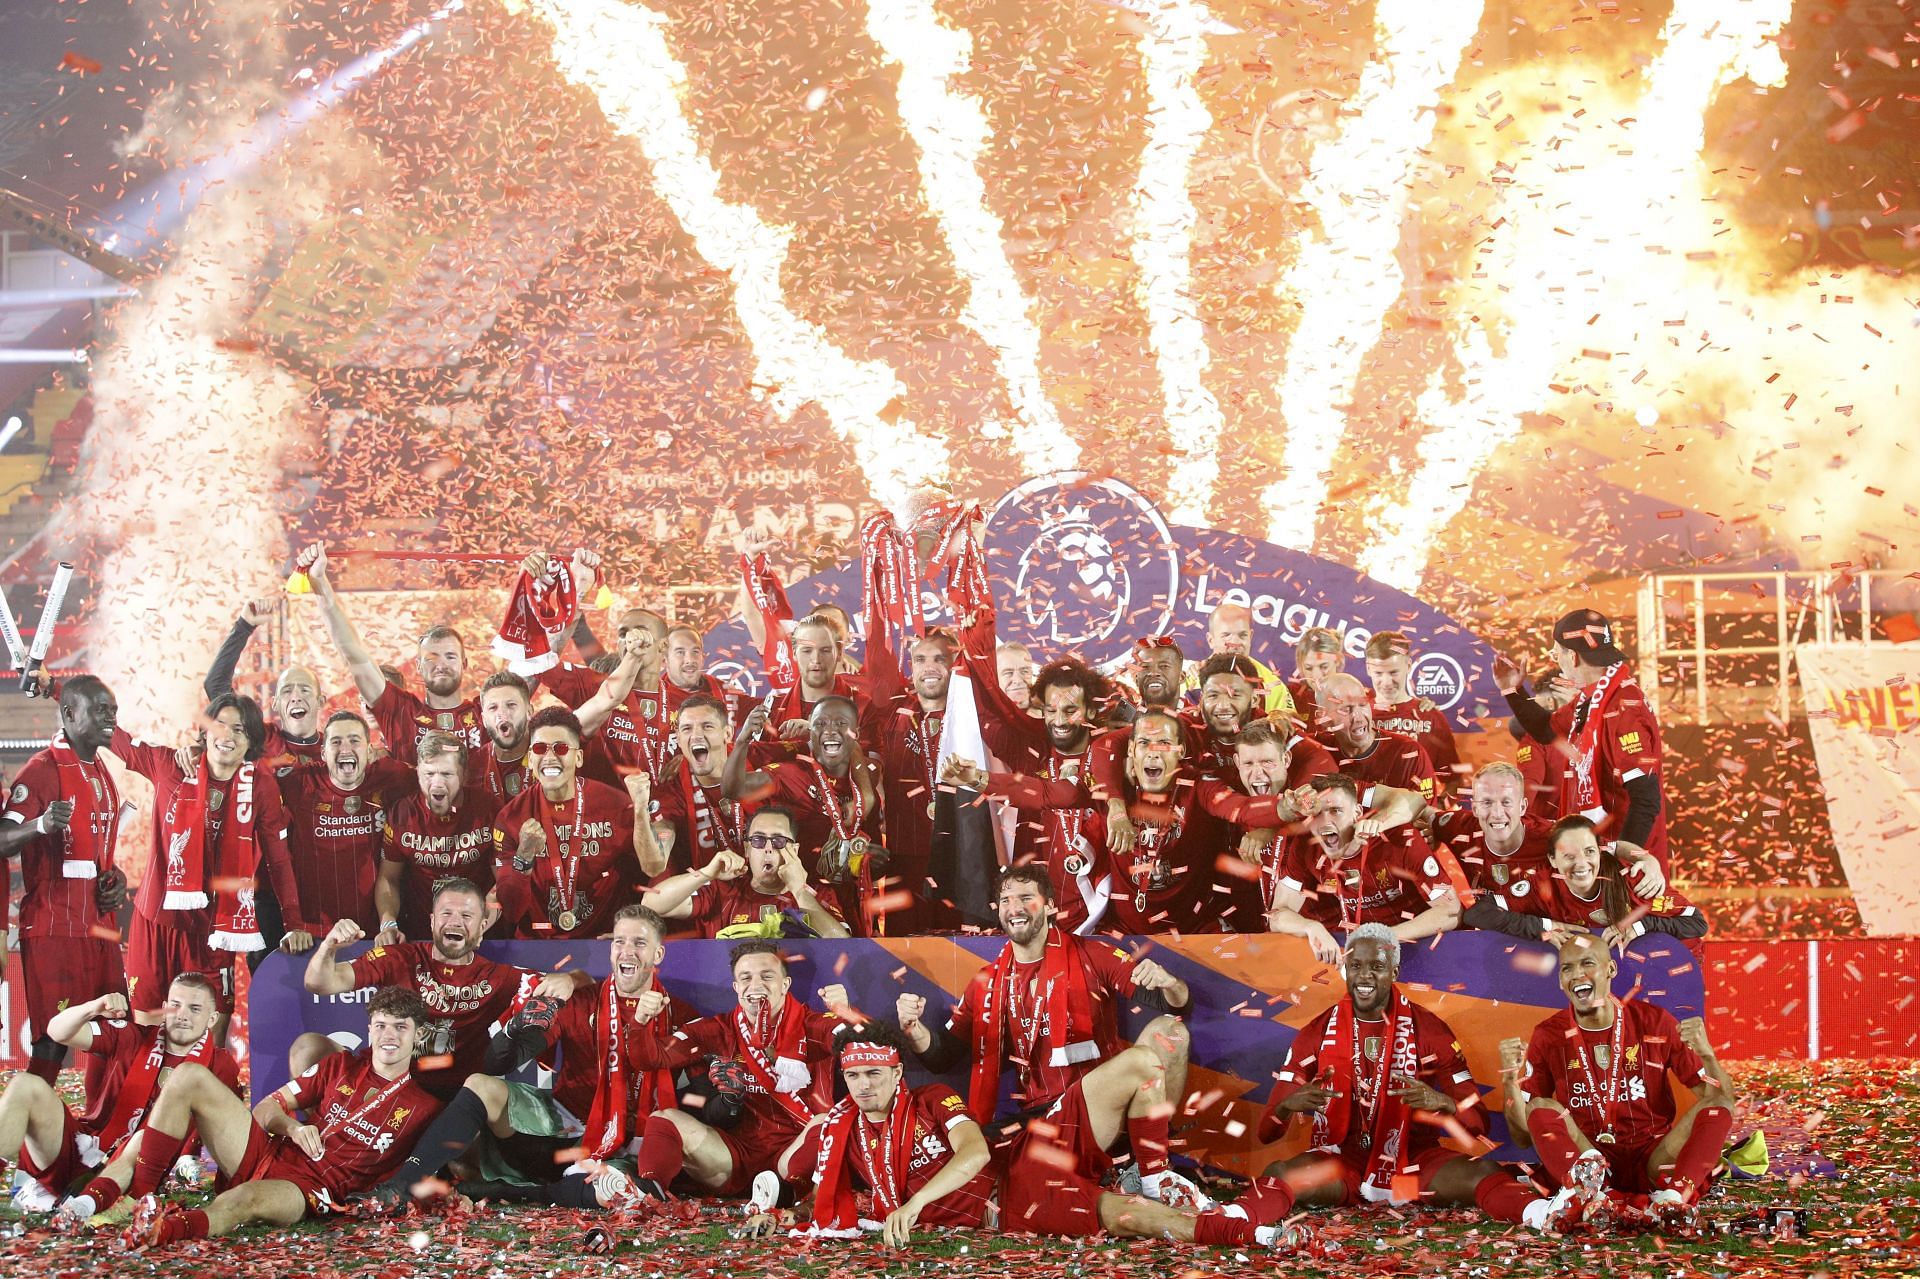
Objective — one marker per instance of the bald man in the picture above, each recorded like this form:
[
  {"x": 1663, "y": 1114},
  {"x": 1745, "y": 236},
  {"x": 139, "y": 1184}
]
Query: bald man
[
  {"x": 1230, "y": 631},
  {"x": 1362, "y": 749},
  {"x": 298, "y": 705}
]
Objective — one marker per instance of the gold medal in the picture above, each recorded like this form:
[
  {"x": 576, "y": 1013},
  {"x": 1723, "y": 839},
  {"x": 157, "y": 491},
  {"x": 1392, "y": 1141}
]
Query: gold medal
[
  {"x": 1605, "y": 1139},
  {"x": 567, "y": 921},
  {"x": 931, "y": 805}
]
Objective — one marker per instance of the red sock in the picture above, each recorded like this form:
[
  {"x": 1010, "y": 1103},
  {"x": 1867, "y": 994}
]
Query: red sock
[
  {"x": 662, "y": 1154},
  {"x": 158, "y": 1151},
  {"x": 47, "y": 1068},
  {"x": 1554, "y": 1142},
  {"x": 1216, "y": 1227},
  {"x": 1148, "y": 1136},
  {"x": 1267, "y": 1201},
  {"x": 1694, "y": 1164},
  {"x": 176, "y": 1226},
  {"x": 106, "y": 1192},
  {"x": 1502, "y": 1198}
]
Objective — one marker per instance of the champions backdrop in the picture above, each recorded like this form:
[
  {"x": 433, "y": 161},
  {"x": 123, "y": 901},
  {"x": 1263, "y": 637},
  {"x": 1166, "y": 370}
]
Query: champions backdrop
[{"x": 1250, "y": 995}]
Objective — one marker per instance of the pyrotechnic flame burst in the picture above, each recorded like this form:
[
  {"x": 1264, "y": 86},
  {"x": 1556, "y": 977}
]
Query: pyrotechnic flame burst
[
  {"x": 1172, "y": 51},
  {"x": 1347, "y": 274},
  {"x": 949, "y": 128},
  {"x": 619, "y": 51}
]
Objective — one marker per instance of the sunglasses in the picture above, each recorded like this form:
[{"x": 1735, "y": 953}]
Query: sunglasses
[
  {"x": 559, "y": 750},
  {"x": 1157, "y": 641},
  {"x": 778, "y": 843}
]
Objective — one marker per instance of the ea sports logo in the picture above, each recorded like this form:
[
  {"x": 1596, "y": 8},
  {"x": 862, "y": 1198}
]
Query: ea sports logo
[
  {"x": 1438, "y": 678},
  {"x": 1093, "y": 565}
]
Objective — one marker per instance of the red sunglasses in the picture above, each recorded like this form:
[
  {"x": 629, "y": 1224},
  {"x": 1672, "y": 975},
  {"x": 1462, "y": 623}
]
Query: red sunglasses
[{"x": 560, "y": 750}]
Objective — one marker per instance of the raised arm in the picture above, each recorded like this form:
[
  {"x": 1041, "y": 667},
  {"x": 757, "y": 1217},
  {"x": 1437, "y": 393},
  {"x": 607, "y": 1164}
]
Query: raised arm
[
  {"x": 593, "y": 712},
  {"x": 737, "y": 781},
  {"x": 253, "y": 615},
  {"x": 360, "y": 664},
  {"x": 325, "y": 974},
  {"x": 646, "y": 849},
  {"x": 74, "y": 1026}
]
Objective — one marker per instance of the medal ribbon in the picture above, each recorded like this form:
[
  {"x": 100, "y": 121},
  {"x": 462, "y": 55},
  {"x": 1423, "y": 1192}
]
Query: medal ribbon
[
  {"x": 831, "y": 800},
  {"x": 561, "y": 850},
  {"x": 1605, "y": 1100}
]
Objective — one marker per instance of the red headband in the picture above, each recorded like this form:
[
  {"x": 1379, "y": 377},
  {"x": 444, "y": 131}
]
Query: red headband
[{"x": 861, "y": 1055}]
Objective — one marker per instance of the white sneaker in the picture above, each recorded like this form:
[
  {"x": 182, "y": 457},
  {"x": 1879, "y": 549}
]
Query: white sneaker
[
  {"x": 615, "y": 1190},
  {"x": 765, "y": 1193},
  {"x": 1287, "y": 1236},
  {"x": 31, "y": 1196},
  {"x": 1175, "y": 1191}
]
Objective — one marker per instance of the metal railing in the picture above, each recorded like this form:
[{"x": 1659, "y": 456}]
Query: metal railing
[{"x": 1697, "y": 623}]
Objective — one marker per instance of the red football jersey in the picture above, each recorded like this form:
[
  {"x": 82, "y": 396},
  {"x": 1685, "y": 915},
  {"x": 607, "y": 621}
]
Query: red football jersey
[
  {"x": 1458, "y": 831},
  {"x": 118, "y": 1045},
  {"x": 403, "y": 718},
  {"x": 1629, "y": 748},
  {"x": 333, "y": 837},
  {"x": 367, "y": 1124},
  {"x": 576, "y": 1032},
  {"x": 764, "y": 1121},
  {"x": 1627, "y": 1095},
  {"x": 1395, "y": 876},
  {"x": 52, "y": 904},
  {"x": 586, "y": 881},
  {"x": 1432, "y": 1055},
  {"x": 1394, "y": 760},
  {"x": 467, "y": 999},
  {"x": 1429, "y": 728},
  {"x": 1040, "y": 1080},
  {"x": 703, "y": 819},
  {"x": 936, "y": 1110},
  {"x": 433, "y": 848}
]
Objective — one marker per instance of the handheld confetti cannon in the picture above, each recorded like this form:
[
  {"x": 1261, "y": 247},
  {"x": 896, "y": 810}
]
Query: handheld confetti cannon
[{"x": 30, "y": 662}]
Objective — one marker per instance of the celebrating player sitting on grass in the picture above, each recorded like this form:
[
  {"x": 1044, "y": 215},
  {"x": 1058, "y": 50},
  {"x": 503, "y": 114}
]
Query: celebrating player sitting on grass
[
  {"x": 1592, "y": 1092},
  {"x": 1385, "y": 1084},
  {"x": 363, "y": 1113},
  {"x": 58, "y": 1148},
  {"x": 916, "y": 1149}
]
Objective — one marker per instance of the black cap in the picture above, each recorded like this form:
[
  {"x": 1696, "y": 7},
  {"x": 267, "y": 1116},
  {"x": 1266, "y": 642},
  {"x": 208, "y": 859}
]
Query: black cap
[{"x": 1589, "y": 636}]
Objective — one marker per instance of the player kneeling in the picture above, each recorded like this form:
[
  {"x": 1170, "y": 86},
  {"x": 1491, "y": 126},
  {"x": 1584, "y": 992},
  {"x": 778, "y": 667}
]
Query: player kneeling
[
  {"x": 365, "y": 1111},
  {"x": 916, "y": 1149}
]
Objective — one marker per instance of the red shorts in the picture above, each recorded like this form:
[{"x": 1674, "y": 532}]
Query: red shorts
[
  {"x": 65, "y": 1167},
  {"x": 755, "y": 1148},
  {"x": 1054, "y": 1172},
  {"x": 59, "y": 972},
  {"x": 270, "y": 1158},
  {"x": 159, "y": 952},
  {"x": 1627, "y": 1166}
]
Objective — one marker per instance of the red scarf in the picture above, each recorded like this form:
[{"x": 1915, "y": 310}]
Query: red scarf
[
  {"x": 89, "y": 838},
  {"x": 891, "y": 577},
  {"x": 142, "y": 1084},
  {"x": 770, "y": 597},
  {"x": 1069, "y": 1023},
  {"x": 1589, "y": 722},
  {"x": 183, "y": 833},
  {"x": 834, "y": 1210},
  {"x": 537, "y": 616},
  {"x": 1341, "y": 1062},
  {"x": 784, "y": 1072},
  {"x": 608, "y": 1129}
]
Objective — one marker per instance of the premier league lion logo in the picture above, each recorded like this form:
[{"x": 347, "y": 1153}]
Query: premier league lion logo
[{"x": 1093, "y": 565}]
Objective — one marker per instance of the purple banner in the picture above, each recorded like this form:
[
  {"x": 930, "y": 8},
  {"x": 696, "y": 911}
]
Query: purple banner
[
  {"x": 1088, "y": 565},
  {"x": 1250, "y": 994}
]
